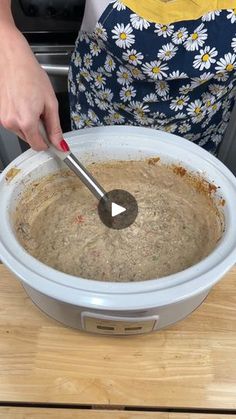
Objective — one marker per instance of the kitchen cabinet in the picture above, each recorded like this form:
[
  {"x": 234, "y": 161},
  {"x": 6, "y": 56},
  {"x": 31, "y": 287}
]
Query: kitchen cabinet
[
  {"x": 227, "y": 153},
  {"x": 9, "y": 147}
]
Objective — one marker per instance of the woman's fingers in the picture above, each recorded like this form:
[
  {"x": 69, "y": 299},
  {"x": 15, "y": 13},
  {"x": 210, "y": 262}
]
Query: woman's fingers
[
  {"x": 52, "y": 122},
  {"x": 33, "y": 137}
]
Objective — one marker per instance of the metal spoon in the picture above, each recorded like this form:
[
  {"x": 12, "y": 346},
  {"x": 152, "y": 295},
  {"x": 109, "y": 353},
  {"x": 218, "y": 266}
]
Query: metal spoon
[{"x": 76, "y": 166}]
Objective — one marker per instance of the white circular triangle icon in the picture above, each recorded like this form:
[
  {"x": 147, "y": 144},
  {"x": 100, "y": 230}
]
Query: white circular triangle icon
[{"x": 116, "y": 209}]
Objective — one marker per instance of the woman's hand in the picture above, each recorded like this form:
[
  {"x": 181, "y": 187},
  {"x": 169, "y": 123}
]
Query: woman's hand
[{"x": 26, "y": 94}]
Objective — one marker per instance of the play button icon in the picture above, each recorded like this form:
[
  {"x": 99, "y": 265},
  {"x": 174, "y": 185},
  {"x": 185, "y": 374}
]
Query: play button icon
[{"x": 118, "y": 209}]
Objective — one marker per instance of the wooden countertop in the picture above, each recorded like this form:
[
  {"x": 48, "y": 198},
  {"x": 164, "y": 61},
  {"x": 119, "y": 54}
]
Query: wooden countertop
[
  {"x": 189, "y": 367},
  {"x": 32, "y": 413}
]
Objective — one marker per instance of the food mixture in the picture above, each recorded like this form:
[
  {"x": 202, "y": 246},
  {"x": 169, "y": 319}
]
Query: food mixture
[{"x": 178, "y": 224}]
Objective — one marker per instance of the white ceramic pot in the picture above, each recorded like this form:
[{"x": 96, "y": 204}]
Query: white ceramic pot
[{"x": 118, "y": 308}]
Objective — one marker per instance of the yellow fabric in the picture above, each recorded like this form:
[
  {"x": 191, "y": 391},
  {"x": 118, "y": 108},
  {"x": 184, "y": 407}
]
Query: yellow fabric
[{"x": 166, "y": 12}]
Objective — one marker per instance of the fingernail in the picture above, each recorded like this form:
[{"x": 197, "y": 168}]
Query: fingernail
[{"x": 64, "y": 146}]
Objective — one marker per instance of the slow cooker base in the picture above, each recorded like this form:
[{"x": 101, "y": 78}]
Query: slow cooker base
[{"x": 110, "y": 322}]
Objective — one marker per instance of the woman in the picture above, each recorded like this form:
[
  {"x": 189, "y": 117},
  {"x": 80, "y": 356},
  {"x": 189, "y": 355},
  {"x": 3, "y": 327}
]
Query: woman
[{"x": 163, "y": 64}]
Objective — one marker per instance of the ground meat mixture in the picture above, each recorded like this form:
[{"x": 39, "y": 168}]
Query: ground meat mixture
[{"x": 178, "y": 224}]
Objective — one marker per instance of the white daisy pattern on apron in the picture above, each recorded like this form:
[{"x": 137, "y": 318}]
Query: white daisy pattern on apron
[{"x": 179, "y": 78}]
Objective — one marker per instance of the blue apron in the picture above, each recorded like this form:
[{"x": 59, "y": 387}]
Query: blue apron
[{"x": 180, "y": 78}]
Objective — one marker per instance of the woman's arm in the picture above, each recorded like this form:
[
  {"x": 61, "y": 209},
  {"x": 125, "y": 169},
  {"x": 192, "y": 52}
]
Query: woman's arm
[
  {"x": 6, "y": 18},
  {"x": 26, "y": 93}
]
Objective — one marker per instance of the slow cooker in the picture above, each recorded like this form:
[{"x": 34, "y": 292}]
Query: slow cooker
[{"x": 118, "y": 308}]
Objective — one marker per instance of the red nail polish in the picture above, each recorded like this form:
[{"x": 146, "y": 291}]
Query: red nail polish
[{"x": 64, "y": 146}]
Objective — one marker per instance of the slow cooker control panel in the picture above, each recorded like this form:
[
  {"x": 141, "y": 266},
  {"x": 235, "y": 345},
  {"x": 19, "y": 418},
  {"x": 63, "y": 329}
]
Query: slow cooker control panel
[{"x": 113, "y": 325}]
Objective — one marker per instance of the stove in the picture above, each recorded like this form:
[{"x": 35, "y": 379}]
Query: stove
[
  {"x": 49, "y": 21},
  {"x": 51, "y": 28}
]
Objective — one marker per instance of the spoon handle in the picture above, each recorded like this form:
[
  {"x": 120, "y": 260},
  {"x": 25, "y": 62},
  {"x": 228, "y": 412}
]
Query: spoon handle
[{"x": 75, "y": 165}]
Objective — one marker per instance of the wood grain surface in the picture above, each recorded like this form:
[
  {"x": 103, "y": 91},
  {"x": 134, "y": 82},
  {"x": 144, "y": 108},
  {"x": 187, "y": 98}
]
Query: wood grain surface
[
  {"x": 189, "y": 365},
  {"x": 32, "y": 413}
]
